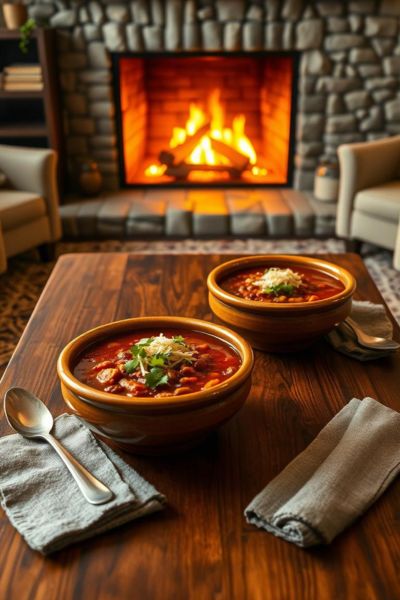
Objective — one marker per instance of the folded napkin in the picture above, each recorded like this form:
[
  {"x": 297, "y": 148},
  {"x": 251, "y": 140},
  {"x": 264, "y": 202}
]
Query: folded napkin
[
  {"x": 42, "y": 500},
  {"x": 373, "y": 320},
  {"x": 339, "y": 475}
]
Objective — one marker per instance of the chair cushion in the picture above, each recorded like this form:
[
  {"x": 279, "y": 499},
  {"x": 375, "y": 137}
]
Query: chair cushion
[
  {"x": 382, "y": 201},
  {"x": 18, "y": 208}
]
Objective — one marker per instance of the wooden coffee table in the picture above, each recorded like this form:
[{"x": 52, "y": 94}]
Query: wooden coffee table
[{"x": 200, "y": 546}]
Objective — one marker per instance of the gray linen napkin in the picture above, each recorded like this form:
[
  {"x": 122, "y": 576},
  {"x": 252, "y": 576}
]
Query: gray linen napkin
[
  {"x": 370, "y": 317},
  {"x": 335, "y": 479},
  {"x": 42, "y": 500}
]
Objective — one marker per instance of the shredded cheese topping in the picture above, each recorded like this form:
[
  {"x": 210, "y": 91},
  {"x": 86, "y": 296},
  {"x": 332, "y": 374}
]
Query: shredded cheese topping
[
  {"x": 275, "y": 277},
  {"x": 172, "y": 350}
]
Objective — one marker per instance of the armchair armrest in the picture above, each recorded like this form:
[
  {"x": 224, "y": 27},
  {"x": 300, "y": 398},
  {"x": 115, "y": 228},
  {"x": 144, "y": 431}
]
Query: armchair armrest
[
  {"x": 396, "y": 257},
  {"x": 34, "y": 170},
  {"x": 3, "y": 256},
  {"x": 363, "y": 166}
]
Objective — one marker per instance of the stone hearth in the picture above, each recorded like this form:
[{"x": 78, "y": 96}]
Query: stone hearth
[
  {"x": 349, "y": 82},
  {"x": 269, "y": 213}
]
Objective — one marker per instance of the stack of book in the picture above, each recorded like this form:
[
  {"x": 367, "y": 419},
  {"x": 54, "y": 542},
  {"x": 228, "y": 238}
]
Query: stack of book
[{"x": 22, "y": 78}]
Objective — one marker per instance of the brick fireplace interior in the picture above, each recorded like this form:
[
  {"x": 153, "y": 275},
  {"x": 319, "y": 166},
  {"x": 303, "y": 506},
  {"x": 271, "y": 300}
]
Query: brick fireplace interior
[{"x": 196, "y": 120}]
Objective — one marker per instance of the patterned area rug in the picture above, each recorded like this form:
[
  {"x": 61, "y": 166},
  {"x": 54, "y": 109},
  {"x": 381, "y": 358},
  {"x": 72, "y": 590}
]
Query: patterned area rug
[{"x": 21, "y": 286}]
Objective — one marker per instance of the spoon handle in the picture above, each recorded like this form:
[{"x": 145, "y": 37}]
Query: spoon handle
[{"x": 93, "y": 490}]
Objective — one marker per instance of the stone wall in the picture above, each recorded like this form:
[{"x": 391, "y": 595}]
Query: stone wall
[{"x": 349, "y": 74}]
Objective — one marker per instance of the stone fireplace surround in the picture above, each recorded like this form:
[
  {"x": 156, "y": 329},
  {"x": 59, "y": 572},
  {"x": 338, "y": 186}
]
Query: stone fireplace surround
[{"x": 348, "y": 87}]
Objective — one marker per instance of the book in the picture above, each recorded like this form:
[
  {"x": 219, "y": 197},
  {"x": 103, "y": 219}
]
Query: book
[
  {"x": 23, "y": 68},
  {"x": 22, "y": 86},
  {"x": 22, "y": 77}
]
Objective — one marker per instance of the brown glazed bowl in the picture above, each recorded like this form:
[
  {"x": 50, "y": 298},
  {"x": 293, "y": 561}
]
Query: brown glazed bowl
[
  {"x": 280, "y": 327},
  {"x": 155, "y": 425}
]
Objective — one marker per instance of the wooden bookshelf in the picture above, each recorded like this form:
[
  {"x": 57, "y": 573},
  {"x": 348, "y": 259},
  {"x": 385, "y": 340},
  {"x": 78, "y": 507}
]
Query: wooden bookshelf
[
  {"x": 32, "y": 118},
  {"x": 21, "y": 94},
  {"x": 27, "y": 130}
]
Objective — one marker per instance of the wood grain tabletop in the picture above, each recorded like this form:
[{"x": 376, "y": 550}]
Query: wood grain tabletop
[{"x": 200, "y": 546}]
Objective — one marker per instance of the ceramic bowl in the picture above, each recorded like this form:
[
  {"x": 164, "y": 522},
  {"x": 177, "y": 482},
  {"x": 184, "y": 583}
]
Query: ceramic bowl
[
  {"x": 155, "y": 425},
  {"x": 280, "y": 327}
]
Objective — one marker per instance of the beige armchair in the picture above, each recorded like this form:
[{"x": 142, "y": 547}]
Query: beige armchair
[
  {"x": 29, "y": 215},
  {"x": 369, "y": 194}
]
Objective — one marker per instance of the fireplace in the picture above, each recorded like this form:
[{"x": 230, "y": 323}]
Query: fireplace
[
  {"x": 196, "y": 120},
  {"x": 347, "y": 53}
]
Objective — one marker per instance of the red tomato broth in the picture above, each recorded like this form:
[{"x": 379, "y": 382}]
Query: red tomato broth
[
  {"x": 316, "y": 285},
  {"x": 221, "y": 362}
]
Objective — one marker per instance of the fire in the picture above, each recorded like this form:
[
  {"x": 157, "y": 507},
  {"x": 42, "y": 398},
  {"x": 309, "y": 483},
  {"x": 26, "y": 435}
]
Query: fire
[{"x": 203, "y": 153}]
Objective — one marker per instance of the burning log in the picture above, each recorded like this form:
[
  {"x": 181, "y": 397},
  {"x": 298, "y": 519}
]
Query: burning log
[
  {"x": 175, "y": 156},
  {"x": 239, "y": 161},
  {"x": 183, "y": 170}
]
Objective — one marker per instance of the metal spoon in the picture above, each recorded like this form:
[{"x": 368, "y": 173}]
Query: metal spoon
[
  {"x": 28, "y": 416},
  {"x": 369, "y": 341}
]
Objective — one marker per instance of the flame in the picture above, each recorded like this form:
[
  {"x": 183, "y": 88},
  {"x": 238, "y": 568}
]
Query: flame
[
  {"x": 203, "y": 153},
  {"x": 155, "y": 170},
  {"x": 196, "y": 119}
]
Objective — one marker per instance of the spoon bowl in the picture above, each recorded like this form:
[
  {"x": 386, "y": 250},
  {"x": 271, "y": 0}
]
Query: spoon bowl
[
  {"x": 28, "y": 416},
  {"x": 369, "y": 341},
  {"x": 26, "y": 413}
]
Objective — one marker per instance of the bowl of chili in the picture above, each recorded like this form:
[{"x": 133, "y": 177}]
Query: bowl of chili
[
  {"x": 280, "y": 303},
  {"x": 155, "y": 384}
]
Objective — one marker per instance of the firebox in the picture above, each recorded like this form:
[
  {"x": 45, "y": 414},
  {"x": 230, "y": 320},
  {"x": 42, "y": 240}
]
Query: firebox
[{"x": 196, "y": 120}]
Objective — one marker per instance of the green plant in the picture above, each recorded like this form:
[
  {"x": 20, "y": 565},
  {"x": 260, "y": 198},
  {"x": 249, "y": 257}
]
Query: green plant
[{"x": 26, "y": 32}]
